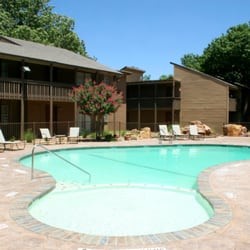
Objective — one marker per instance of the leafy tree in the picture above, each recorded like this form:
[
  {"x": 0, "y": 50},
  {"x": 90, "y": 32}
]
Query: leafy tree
[
  {"x": 97, "y": 100},
  {"x": 163, "y": 77},
  {"x": 166, "y": 77},
  {"x": 229, "y": 55},
  {"x": 146, "y": 77},
  {"x": 34, "y": 20},
  {"x": 192, "y": 61}
]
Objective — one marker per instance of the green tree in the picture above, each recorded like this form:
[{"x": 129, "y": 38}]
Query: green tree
[
  {"x": 146, "y": 77},
  {"x": 34, "y": 20},
  {"x": 229, "y": 55},
  {"x": 192, "y": 61},
  {"x": 97, "y": 100},
  {"x": 166, "y": 77}
]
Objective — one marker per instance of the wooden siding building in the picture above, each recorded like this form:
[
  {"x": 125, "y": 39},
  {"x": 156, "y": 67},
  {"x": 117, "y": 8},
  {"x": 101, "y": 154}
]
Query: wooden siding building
[
  {"x": 150, "y": 103},
  {"x": 36, "y": 81},
  {"x": 206, "y": 98},
  {"x": 35, "y": 85},
  {"x": 191, "y": 95}
]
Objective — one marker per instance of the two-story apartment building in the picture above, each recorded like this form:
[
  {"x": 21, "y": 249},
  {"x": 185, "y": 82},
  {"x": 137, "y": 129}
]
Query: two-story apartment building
[
  {"x": 36, "y": 81},
  {"x": 35, "y": 85},
  {"x": 191, "y": 95}
]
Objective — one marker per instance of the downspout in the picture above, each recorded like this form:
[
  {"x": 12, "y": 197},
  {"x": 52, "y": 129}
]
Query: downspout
[
  {"x": 51, "y": 100},
  {"x": 22, "y": 103}
]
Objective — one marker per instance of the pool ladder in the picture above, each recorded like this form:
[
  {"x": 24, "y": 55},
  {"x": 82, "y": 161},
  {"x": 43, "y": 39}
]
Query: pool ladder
[{"x": 62, "y": 158}]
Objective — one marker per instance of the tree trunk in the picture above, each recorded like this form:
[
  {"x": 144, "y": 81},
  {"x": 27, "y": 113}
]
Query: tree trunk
[{"x": 99, "y": 126}]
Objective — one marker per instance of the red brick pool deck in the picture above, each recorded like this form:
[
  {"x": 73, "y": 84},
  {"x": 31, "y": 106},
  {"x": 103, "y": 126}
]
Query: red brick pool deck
[{"x": 226, "y": 186}]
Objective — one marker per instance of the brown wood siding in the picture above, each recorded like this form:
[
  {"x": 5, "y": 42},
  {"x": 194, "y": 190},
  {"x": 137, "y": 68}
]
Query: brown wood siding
[
  {"x": 202, "y": 99},
  {"x": 135, "y": 76},
  {"x": 117, "y": 120},
  {"x": 37, "y": 112}
]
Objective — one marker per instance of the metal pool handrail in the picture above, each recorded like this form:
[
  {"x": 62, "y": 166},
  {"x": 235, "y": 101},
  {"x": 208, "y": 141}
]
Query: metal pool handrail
[{"x": 62, "y": 158}]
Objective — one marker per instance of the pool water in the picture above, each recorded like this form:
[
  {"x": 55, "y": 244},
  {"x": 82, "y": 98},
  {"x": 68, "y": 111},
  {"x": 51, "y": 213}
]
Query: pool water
[
  {"x": 174, "y": 165},
  {"x": 122, "y": 210},
  {"x": 133, "y": 190}
]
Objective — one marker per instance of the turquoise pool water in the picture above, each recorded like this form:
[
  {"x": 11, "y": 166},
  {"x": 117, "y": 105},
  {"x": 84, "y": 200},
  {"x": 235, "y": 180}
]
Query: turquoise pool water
[
  {"x": 133, "y": 190},
  {"x": 173, "y": 165}
]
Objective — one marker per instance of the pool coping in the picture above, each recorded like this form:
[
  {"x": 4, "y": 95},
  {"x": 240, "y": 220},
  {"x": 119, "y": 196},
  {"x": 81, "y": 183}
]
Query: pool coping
[{"x": 45, "y": 183}]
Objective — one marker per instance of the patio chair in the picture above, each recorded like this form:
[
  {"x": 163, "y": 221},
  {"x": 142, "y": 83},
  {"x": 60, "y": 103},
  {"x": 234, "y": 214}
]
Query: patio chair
[
  {"x": 177, "y": 132},
  {"x": 164, "y": 133},
  {"x": 73, "y": 134},
  {"x": 193, "y": 132},
  {"x": 46, "y": 136},
  {"x": 11, "y": 145}
]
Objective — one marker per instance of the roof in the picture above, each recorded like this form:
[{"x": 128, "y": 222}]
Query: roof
[
  {"x": 206, "y": 75},
  {"x": 37, "y": 51},
  {"x": 132, "y": 68}
]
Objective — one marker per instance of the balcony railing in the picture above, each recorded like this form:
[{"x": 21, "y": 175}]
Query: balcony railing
[
  {"x": 34, "y": 90},
  {"x": 38, "y": 92},
  {"x": 10, "y": 90}
]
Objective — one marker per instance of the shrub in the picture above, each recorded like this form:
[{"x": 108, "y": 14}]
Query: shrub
[
  {"x": 84, "y": 133},
  {"x": 28, "y": 135},
  {"x": 108, "y": 137}
]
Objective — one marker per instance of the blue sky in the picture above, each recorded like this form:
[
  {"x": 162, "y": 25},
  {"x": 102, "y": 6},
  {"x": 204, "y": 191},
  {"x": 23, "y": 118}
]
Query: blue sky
[{"x": 149, "y": 34}]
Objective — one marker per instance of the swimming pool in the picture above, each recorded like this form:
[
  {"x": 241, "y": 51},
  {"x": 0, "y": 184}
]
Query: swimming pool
[{"x": 145, "y": 181}]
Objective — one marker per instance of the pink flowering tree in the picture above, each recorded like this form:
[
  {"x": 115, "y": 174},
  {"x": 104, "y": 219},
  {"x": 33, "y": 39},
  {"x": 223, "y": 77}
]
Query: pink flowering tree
[{"x": 97, "y": 100}]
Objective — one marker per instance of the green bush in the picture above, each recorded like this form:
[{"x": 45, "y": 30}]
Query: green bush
[
  {"x": 123, "y": 132},
  {"x": 28, "y": 135},
  {"x": 84, "y": 133},
  {"x": 12, "y": 138},
  {"x": 108, "y": 137},
  {"x": 91, "y": 135}
]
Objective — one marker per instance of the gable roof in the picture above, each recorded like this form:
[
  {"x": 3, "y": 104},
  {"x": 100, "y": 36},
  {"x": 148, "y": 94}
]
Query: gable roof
[
  {"x": 206, "y": 75},
  {"x": 37, "y": 51}
]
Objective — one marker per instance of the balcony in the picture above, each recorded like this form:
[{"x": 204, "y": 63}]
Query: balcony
[
  {"x": 10, "y": 90},
  {"x": 34, "y": 90}
]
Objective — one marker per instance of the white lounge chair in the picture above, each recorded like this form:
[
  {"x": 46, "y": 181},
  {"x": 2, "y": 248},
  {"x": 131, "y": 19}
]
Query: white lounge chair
[
  {"x": 164, "y": 133},
  {"x": 12, "y": 145},
  {"x": 46, "y": 136},
  {"x": 193, "y": 132},
  {"x": 177, "y": 132},
  {"x": 73, "y": 134}
]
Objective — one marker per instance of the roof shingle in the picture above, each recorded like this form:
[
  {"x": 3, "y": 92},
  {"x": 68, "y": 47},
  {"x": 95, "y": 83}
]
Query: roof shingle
[{"x": 38, "y": 51}]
